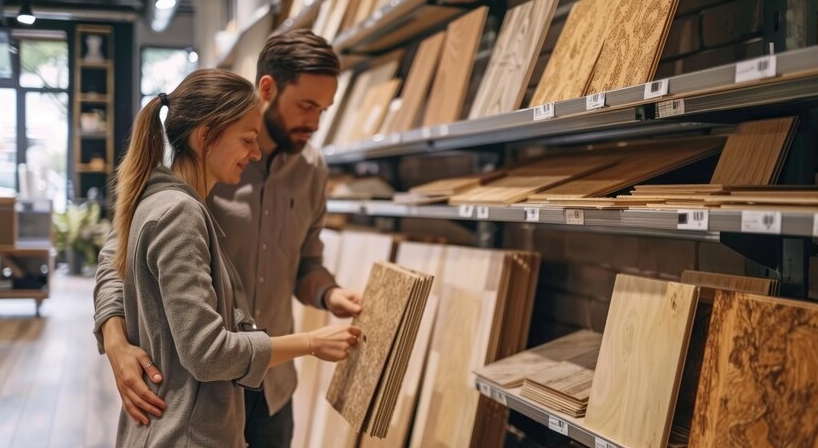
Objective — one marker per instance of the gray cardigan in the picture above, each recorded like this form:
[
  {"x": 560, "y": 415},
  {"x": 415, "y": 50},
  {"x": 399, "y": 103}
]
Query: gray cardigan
[{"x": 183, "y": 309}]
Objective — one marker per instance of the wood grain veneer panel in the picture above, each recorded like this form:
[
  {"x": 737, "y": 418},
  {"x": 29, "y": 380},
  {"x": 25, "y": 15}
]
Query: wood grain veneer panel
[
  {"x": 753, "y": 154},
  {"x": 418, "y": 82}
]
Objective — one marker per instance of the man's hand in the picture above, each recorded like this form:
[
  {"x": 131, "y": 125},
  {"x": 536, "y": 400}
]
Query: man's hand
[
  {"x": 128, "y": 362},
  {"x": 343, "y": 302}
]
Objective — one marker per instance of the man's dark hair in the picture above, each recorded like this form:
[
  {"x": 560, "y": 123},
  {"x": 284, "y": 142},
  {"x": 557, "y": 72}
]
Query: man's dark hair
[{"x": 288, "y": 55}]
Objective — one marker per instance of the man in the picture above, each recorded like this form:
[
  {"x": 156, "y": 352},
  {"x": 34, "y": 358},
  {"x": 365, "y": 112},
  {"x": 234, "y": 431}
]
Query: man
[{"x": 272, "y": 220}]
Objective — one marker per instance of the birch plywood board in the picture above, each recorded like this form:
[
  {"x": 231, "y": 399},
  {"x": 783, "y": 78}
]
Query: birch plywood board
[
  {"x": 758, "y": 386},
  {"x": 634, "y": 44},
  {"x": 452, "y": 78},
  {"x": 426, "y": 258},
  {"x": 754, "y": 153},
  {"x": 640, "y": 362},
  {"x": 416, "y": 89},
  {"x": 515, "y": 53},
  {"x": 571, "y": 64}
]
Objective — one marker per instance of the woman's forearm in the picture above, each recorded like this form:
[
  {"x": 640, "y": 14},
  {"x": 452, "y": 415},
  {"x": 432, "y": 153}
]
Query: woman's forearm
[{"x": 288, "y": 347}]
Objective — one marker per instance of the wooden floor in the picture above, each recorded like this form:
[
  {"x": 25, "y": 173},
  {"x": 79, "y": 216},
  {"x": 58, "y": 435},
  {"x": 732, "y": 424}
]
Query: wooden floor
[{"x": 55, "y": 389}]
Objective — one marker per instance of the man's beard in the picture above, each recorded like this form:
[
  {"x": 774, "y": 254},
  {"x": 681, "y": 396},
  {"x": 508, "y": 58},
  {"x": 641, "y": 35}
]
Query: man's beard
[{"x": 278, "y": 131}]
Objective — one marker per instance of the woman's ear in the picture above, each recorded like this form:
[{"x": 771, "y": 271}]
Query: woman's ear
[
  {"x": 198, "y": 138},
  {"x": 267, "y": 88}
]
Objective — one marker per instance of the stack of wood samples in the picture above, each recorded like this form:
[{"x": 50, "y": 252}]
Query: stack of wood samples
[
  {"x": 565, "y": 386},
  {"x": 518, "y": 45},
  {"x": 478, "y": 321},
  {"x": 426, "y": 258},
  {"x": 758, "y": 386},
  {"x": 640, "y": 361},
  {"x": 364, "y": 387},
  {"x": 740, "y": 283}
]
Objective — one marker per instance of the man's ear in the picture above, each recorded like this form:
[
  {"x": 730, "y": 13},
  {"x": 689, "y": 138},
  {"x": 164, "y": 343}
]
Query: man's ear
[{"x": 267, "y": 88}]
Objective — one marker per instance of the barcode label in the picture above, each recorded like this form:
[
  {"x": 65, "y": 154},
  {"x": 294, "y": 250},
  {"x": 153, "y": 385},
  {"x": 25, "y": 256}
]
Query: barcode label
[
  {"x": 557, "y": 425},
  {"x": 693, "y": 220},
  {"x": 761, "y": 222},
  {"x": 544, "y": 112},
  {"x": 500, "y": 398},
  {"x": 670, "y": 108},
  {"x": 443, "y": 130},
  {"x": 426, "y": 132},
  {"x": 594, "y": 101},
  {"x": 485, "y": 389},
  {"x": 466, "y": 211},
  {"x": 656, "y": 89},
  {"x": 602, "y": 443},
  {"x": 482, "y": 213},
  {"x": 575, "y": 217},
  {"x": 755, "y": 69},
  {"x": 532, "y": 214}
]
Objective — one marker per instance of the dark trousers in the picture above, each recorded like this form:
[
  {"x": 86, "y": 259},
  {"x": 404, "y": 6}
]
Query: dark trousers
[{"x": 262, "y": 430}]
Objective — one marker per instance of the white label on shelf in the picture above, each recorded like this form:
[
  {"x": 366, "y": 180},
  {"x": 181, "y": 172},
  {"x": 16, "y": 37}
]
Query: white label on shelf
[
  {"x": 500, "y": 397},
  {"x": 602, "y": 443},
  {"x": 656, "y": 89},
  {"x": 594, "y": 101},
  {"x": 413, "y": 210},
  {"x": 670, "y": 108},
  {"x": 761, "y": 222},
  {"x": 575, "y": 217},
  {"x": 693, "y": 220},
  {"x": 532, "y": 214},
  {"x": 557, "y": 425},
  {"x": 482, "y": 213},
  {"x": 485, "y": 389},
  {"x": 544, "y": 112},
  {"x": 443, "y": 130},
  {"x": 815, "y": 225},
  {"x": 426, "y": 132},
  {"x": 755, "y": 69},
  {"x": 394, "y": 138},
  {"x": 466, "y": 211}
]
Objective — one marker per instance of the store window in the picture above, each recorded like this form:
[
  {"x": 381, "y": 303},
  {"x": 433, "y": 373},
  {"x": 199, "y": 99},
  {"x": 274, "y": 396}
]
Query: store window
[
  {"x": 5, "y": 55},
  {"x": 164, "y": 68}
]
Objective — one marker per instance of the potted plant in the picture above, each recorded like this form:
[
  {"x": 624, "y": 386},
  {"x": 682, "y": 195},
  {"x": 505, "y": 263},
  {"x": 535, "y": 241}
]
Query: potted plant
[{"x": 80, "y": 233}]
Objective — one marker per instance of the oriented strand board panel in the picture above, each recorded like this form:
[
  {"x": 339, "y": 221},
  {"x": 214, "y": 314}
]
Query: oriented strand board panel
[
  {"x": 633, "y": 45},
  {"x": 758, "y": 386},
  {"x": 426, "y": 258},
  {"x": 452, "y": 78},
  {"x": 571, "y": 64},
  {"x": 640, "y": 362},
  {"x": 754, "y": 153},
  {"x": 515, "y": 53},
  {"x": 418, "y": 81}
]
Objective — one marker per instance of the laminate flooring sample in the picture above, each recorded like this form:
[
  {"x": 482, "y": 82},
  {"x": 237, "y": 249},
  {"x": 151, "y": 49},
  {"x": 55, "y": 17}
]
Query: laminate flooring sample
[
  {"x": 633, "y": 45},
  {"x": 515, "y": 53},
  {"x": 418, "y": 81},
  {"x": 640, "y": 363},
  {"x": 452, "y": 77},
  {"x": 753, "y": 155},
  {"x": 758, "y": 386},
  {"x": 373, "y": 110},
  {"x": 752, "y": 285}
]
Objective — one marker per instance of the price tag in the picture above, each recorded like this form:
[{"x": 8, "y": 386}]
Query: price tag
[
  {"x": 602, "y": 443},
  {"x": 544, "y": 112},
  {"x": 482, "y": 213},
  {"x": 532, "y": 214},
  {"x": 426, "y": 132},
  {"x": 670, "y": 108},
  {"x": 443, "y": 130},
  {"x": 485, "y": 389},
  {"x": 761, "y": 222},
  {"x": 466, "y": 211},
  {"x": 575, "y": 217},
  {"x": 755, "y": 69},
  {"x": 656, "y": 89},
  {"x": 595, "y": 101},
  {"x": 693, "y": 220},
  {"x": 557, "y": 425},
  {"x": 394, "y": 139},
  {"x": 500, "y": 398}
]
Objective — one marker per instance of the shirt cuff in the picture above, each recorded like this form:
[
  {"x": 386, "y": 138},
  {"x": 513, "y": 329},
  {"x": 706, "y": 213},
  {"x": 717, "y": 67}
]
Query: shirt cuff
[{"x": 262, "y": 353}]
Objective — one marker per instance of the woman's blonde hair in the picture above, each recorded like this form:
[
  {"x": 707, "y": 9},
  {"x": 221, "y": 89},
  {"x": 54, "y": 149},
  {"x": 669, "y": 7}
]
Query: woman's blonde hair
[{"x": 209, "y": 98}]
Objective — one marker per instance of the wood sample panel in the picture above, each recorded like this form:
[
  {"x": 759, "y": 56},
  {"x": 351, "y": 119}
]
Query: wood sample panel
[
  {"x": 373, "y": 110},
  {"x": 753, "y": 155},
  {"x": 752, "y": 285},
  {"x": 758, "y": 386},
  {"x": 452, "y": 78},
  {"x": 515, "y": 53},
  {"x": 633, "y": 45},
  {"x": 418, "y": 82},
  {"x": 640, "y": 362},
  {"x": 327, "y": 123}
]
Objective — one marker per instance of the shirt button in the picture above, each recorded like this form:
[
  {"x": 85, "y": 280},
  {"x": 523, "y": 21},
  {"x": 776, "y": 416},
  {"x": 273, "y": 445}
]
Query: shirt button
[
  {"x": 261, "y": 279},
  {"x": 264, "y": 246},
  {"x": 266, "y": 212}
]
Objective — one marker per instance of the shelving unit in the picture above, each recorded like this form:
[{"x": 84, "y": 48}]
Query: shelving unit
[{"x": 93, "y": 123}]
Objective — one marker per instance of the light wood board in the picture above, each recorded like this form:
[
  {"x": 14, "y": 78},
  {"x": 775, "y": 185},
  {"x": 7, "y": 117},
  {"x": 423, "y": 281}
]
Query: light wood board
[
  {"x": 754, "y": 153},
  {"x": 455, "y": 185},
  {"x": 373, "y": 110},
  {"x": 758, "y": 386},
  {"x": 452, "y": 78},
  {"x": 737, "y": 283},
  {"x": 327, "y": 123},
  {"x": 418, "y": 82},
  {"x": 640, "y": 361},
  {"x": 515, "y": 53}
]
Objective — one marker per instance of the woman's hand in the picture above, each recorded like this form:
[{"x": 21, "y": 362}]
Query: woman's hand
[{"x": 332, "y": 343}]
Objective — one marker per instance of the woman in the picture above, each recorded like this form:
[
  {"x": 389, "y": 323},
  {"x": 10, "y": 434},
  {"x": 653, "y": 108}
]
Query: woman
[{"x": 182, "y": 304}]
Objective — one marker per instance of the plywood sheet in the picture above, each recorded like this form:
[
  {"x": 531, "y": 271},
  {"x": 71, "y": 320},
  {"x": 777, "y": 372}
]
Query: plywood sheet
[
  {"x": 640, "y": 361},
  {"x": 633, "y": 45},
  {"x": 515, "y": 53},
  {"x": 758, "y": 386},
  {"x": 327, "y": 123},
  {"x": 418, "y": 82},
  {"x": 571, "y": 64},
  {"x": 738, "y": 283},
  {"x": 336, "y": 16},
  {"x": 754, "y": 153},
  {"x": 372, "y": 111},
  {"x": 452, "y": 78}
]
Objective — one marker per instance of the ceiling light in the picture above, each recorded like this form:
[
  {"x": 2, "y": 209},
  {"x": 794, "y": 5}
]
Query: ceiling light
[
  {"x": 165, "y": 4},
  {"x": 193, "y": 57},
  {"x": 26, "y": 16}
]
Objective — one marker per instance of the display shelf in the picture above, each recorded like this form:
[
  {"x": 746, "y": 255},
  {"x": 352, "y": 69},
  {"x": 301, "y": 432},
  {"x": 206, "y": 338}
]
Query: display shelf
[
  {"x": 397, "y": 23},
  {"x": 304, "y": 19},
  {"x": 106, "y": 65},
  {"x": 229, "y": 54},
  {"x": 664, "y": 223},
  {"x": 690, "y": 103}
]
